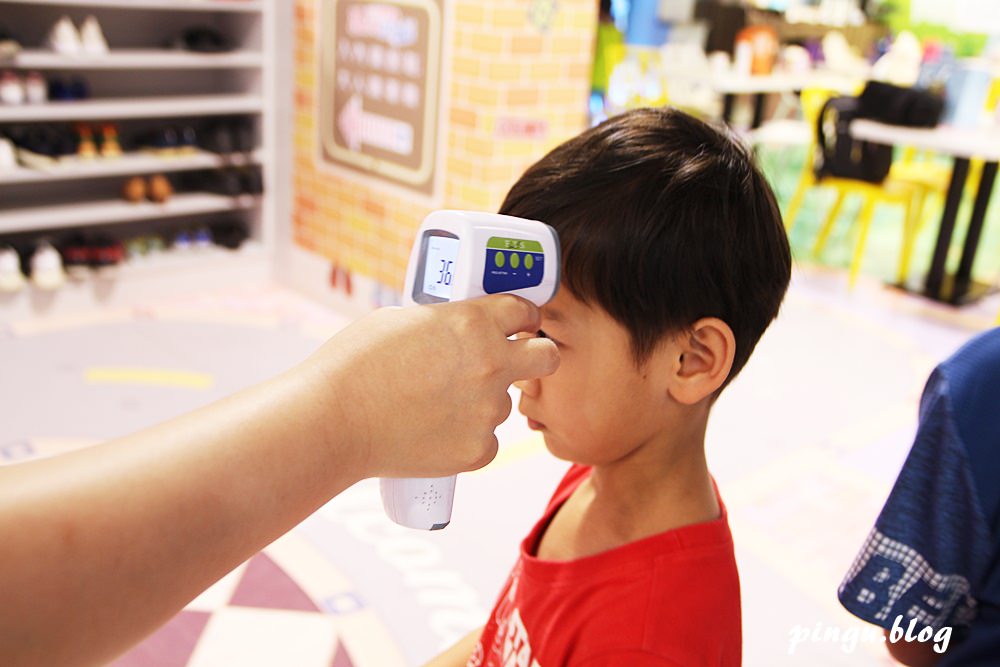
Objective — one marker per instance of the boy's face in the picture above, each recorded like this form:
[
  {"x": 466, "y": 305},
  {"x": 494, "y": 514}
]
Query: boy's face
[{"x": 598, "y": 407}]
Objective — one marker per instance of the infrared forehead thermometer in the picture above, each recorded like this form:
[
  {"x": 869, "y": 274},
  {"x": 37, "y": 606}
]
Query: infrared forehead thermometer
[{"x": 461, "y": 255}]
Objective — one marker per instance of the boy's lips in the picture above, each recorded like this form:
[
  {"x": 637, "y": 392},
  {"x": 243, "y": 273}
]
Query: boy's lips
[{"x": 533, "y": 425}]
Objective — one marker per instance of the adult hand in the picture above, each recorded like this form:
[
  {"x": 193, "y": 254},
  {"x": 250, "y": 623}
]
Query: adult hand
[{"x": 419, "y": 391}]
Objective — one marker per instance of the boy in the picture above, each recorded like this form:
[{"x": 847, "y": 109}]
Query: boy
[{"x": 675, "y": 261}]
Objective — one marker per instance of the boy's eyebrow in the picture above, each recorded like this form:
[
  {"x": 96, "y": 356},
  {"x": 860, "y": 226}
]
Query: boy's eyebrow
[{"x": 553, "y": 314}]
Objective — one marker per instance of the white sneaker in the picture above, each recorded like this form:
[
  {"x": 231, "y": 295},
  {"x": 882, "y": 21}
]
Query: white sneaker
[
  {"x": 8, "y": 156},
  {"x": 11, "y": 278},
  {"x": 46, "y": 268},
  {"x": 64, "y": 39},
  {"x": 36, "y": 89},
  {"x": 92, "y": 37},
  {"x": 11, "y": 89}
]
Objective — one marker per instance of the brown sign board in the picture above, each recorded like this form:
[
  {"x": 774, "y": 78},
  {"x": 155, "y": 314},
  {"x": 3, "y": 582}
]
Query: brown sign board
[{"x": 380, "y": 80}]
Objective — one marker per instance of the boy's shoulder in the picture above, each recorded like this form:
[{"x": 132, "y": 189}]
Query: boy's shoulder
[{"x": 655, "y": 547}]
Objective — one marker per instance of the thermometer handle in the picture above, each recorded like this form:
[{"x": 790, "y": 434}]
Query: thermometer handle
[{"x": 423, "y": 503}]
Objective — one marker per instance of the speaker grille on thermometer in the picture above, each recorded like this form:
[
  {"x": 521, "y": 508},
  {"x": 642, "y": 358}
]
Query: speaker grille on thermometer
[{"x": 429, "y": 498}]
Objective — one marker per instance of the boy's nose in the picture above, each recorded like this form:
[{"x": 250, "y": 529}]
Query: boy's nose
[{"x": 529, "y": 387}]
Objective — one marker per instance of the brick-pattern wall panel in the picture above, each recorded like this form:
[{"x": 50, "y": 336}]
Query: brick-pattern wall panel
[{"x": 519, "y": 76}]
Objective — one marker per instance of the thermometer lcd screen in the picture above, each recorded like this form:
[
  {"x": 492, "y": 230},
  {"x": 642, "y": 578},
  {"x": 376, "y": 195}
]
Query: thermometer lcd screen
[{"x": 439, "y": 266}]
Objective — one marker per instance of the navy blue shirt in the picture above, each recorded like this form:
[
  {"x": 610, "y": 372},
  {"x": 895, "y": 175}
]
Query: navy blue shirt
[{"x": 934, "y": 553}]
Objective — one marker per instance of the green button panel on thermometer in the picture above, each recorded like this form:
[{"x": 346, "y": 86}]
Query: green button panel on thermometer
[{"x": 512, "y": 264}]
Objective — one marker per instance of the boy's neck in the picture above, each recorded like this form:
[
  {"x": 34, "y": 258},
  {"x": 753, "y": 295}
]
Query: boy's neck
[{"x": 662, "y": 485}]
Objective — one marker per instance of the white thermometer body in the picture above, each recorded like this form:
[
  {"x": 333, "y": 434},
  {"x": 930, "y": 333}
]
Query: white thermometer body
[{"x": 462, "y": 255}]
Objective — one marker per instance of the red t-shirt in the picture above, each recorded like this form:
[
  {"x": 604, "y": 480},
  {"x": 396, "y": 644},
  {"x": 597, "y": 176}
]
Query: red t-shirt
[{"x": 669, "y": 599}]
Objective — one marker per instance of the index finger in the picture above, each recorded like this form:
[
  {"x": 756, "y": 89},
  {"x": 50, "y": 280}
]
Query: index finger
[
  {"x": 532, "y": 358},
  {"x": 512, "y": 314}
]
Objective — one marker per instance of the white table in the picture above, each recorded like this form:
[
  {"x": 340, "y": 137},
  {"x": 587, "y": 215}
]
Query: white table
[
  {"x": 962, "y": 144},
  {"x": 785, "y": 82},
  {"x": 761, "y": 85}
]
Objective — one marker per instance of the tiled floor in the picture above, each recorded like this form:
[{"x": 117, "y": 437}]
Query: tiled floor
[{"x": 804, "y": 445}]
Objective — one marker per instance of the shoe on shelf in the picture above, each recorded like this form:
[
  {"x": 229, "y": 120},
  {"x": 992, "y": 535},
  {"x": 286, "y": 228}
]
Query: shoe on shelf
[
  {"x": 183, "y": 241},
  {"x": 78, "y": 89},
  {"x": 202, "y": 239},
  {"x": 86, "y": 146},
  {"x": 11, "y": 89},
  {"x": 64, "y": 38},
  {"x": 110, "y": 145},
  {"x": 244, "y": 139},
  {"x": 92, "y": 38},
  {"x": 160, "y": 190},
  {"x": 252, "y": 180},
  {"x": 164, "y": 141},
  {"x": 187, "y": 140},
  {"x": 224, "y": 182},
  {"x": 219, "y": 140},
  {"x": 36, "y": 89},
  {"x": 71, "y": 90},
  {"x": 231, "y": 234},
  {"x": 106, "y": 252},
  {"x": 10, "y": 46},
  {"x": 201, "y": 40},
  {"x": 134, "y": 190},
  {"x": 155, "y": 244},
  {"x": 11, "y": 278},
  {"x": 76, "y": 257},
  {"x": 8, "y": 155},
  {"x": 46, "y": 268},
  {"x": 43, "y": 146},
  {"x": 58, "y": 90}
]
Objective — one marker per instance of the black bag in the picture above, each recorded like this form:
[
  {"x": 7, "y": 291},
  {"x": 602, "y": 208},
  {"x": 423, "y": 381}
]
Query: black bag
[
  {"x": 911, "y": 107},
  {"x": 840, "y": 155}
]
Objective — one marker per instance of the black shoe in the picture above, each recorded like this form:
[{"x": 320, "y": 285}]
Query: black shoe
[
  {"x": 44, "y": 143},
  {"x": 252, "y": 180},
  {"x": 218, "y": 139},
  {"x": 201, "y": 40},
  {"x": 230, "y": 137},
  {"x": 244, "y": 139},
  {"x": 224, "y": 181},
  {"x": 161, "y": 140},
  {"x": 230, "y": 234}
]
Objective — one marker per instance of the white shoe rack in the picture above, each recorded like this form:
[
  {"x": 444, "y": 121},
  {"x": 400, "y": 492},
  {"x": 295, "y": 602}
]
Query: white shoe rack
[{"x": 139, "y": 85}]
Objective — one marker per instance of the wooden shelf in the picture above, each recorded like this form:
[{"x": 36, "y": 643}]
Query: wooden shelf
[
  {"x": 130, "y": 164},
  {"x": 147, "y": 107},
  {"x": 137, "y": 59},
  {"x": 118, "y": 211},
  {"x": 172, "y": 5}
]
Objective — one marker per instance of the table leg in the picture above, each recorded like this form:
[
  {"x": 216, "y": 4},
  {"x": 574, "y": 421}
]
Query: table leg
[
  {"x": 964, "y": 275},
  {"x": 758, "y": 110},
  {"x": 728, "y": 102},
  {"x": 935, "y": 276}
]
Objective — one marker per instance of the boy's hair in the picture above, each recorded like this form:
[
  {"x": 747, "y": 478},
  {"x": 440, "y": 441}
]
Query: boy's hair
[{"x": 663, "y": 220}]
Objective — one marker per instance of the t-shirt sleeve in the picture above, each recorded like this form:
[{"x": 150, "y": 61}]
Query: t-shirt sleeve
[{"x": 931, "y": 545}]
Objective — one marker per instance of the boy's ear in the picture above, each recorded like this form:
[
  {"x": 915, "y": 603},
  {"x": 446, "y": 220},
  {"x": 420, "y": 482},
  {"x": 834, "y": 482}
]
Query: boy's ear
[{"x": 703, "y": 358}]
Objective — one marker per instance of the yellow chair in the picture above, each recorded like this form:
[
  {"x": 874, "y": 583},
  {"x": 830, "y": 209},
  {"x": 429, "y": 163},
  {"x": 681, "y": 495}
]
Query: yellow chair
[
  {"x": 891, "y": 191},
  {"x": 933, "y": 177}
]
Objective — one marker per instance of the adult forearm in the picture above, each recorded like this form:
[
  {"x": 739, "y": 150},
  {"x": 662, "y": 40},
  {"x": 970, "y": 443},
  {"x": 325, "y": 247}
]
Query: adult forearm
[{"x": 103, "y": 545}]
